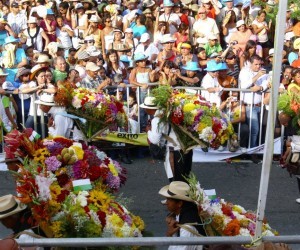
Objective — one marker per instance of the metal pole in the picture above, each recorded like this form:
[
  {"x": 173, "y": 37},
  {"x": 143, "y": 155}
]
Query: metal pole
[{"x": 268, "y": 151}]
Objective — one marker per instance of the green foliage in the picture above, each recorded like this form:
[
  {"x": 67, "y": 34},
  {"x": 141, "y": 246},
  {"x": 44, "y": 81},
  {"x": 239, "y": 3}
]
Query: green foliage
[
  {"x": 162, "y": 95},
  {"x": 284, "y": 104}
]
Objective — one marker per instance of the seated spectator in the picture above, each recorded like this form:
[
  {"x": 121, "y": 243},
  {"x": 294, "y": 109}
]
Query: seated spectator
[
  {"x": 147, "y": 48},
  {"x": 202, "y": 57},
  {"x": 184, "y": 56},
  {"x": 133, "y": 113},
  {"x": 167, "y": 54},
  {"x": 212, "y": 46},
  {"x": 242, "y": 36},
  {"x": 233, "y": 67},
  {"x": 192, "y": 77},
  {"x": 60, "y": 73}
]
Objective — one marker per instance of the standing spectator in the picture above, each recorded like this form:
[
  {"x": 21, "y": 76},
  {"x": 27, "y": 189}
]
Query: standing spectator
[
  {"x": 167, "y": 54},
  {"x": 16, "y": 20},
  {"x": 229, "y": 26},
  {"x": 117, "y": 40},
  {"x": 228, "y": 6},
  {"x": 138, "y": 26},
  {"x": 255, "y": 79},
  {"x": 79, "y": 20},
  {"x": 213, "y": 45},
  {"x": 64, "y": 34},
  {"x": 131, "y": 13},
  {"x": 167, "y": 74},
  {"x": 34, "y": 35},
  {"x": 147, "y": 48},
  {"x": 130, "y": 40},
  {"x": 107, "y": 36},
  {"x": 233, "y": 67},
  {"x": 250, "y": 51},
  {"x": 49, "y": 25},
  {"x": 94, "y": 30},
  {"x": 91, "y": 80},
  {"x": 203, "y": 27},
  {"x": 182, "y": 35},
  {"x": 5, "y": 31},
  {"x": 172, "y": 20},
  {"x": 211, "y": 7}
]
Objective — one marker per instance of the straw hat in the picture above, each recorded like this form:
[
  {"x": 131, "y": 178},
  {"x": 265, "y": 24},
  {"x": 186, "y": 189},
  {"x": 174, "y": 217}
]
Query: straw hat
[
  {"x": 148, "y": 3},
  {"x": 9, "y": 205},
  {"x": 46, "y": 99},
  {"x": 149, "y": 103},
  {"x": 177, "y": 190},
  {"x": 43, "y": 59},
  {"x": 89, "y": 1},
  {"x": 91, "y": 66},
  {"x": 95, "y": 19},
  {"x": 82, "y": 55},
  {"x": 36, "y": 69}
]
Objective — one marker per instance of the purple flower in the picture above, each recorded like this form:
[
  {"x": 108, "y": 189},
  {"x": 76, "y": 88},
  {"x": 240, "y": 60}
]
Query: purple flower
[
  {"x": 112, "y": 181},
  {"x": 52, "y": 163},
  {"x": 54, "y": 147}
]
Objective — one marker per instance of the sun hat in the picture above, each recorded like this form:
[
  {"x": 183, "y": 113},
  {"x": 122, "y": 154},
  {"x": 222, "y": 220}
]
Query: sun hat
[
  {"x": 124, "y": 58},
  {"x": 10, "y": 39},
  {"x": 246, "y": 4},
  {"x": 205, "y": 1},
  {"x": 3, "y": 73},
  {"x": 139, "y": 57},
  {"x": 43, "y": 59},
  {"x": 240, "y": 23},
  {"x": 192, "y": 66},
  {"x": 147, "y": 11},
  {"x": 82, "y": 55},
  {"x": 9, "y": 205},
  {"x": 118, "y": 30},
  {"x": 50, "y": 12},
  {"x": 14, "y": 5},
  {"x": 46, "y": 99},
  {"x": 223, "y": 66},
  {"x": 168, "y": 3},
  {"x": 212, "y": 65},
  {"x": 212, "y": 36},
  {"x": 177, "y": 190},
  {"x": 148, "y": 3},
  {"x": 91, "y": 66},
  {"x": 183, "y": 46},
  {"x": 8, "y": 86},
  {"x": 94, "y": 19},
  {"x": 35, "y": 70},
  {"x": 296, "y": 44},
  {"x": 194, "y": 7},
  {"x": 79, "y": 6},
  {"x": 121, "y": 47},
  {"x": 89, "y": 38},
  {"x": 167, "y": 38},
  {"x": 144, "y": 38},
  {"x": 129, "y": 30},
  {"x": 89, "y": 1},
  {"x": 149, "y": 103},
  {"x": 22, "y": 71},
  {"x": 32, "y": 20},
  {"x": 201, "y": 9}
]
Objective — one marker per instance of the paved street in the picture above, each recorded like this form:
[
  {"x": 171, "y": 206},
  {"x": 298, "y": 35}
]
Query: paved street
[{"x": 236, "y": 182}]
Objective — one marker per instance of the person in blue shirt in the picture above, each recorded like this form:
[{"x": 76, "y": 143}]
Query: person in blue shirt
[{"x": 138, "y": 26}]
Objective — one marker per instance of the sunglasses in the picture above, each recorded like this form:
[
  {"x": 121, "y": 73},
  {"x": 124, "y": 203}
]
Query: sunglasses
[
  {"x": 27, "y": 74},
  {"x": 230, "y": 58},
  {"x": 109, "y": 21}
]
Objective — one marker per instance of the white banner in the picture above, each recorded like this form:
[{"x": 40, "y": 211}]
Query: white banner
[{"x": 215, "y": 155}]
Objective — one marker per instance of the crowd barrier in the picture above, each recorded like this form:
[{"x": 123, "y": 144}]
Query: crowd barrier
[{"x": 139, "y": 138}]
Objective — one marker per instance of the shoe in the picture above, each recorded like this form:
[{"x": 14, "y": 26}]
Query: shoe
[
  {"x": 164, "y": 202},
  {"x": 243, "y": 150},
  {"x": 254, "y": 159},
  {"x": 125, "y": 160},
  {"x": 298, "y": 200}
]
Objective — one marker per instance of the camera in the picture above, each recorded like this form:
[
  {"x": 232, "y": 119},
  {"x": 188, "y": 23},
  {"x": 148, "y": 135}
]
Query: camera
[
  {"x": 233, "y": 98},
  {"x": 173, "y": 70},
  {"x": 234, "y": 43}
]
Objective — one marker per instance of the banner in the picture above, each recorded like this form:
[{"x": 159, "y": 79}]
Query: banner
[
  {"x": 135, "y": 139},
  {"x": 215, "y": 155}
]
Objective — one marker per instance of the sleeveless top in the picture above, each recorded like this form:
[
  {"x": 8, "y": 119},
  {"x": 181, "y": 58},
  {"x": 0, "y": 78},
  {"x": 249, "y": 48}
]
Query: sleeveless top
[{"x": 142, "y": 77}]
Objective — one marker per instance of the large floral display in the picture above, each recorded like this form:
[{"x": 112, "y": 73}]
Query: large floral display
[
  {"x": 71, "y": 187},
  {"x": 97, "y": 110},
  {"x": 195, "y": 121},
  {"x": 222, "y": 218}
]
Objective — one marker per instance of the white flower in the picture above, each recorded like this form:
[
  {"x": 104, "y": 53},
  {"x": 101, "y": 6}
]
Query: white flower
[
  {"x": 207, "y": 135},
  {"x": 43, "y": 184},
  {"x": 82, "y": 198},
  {"x": 244, "y": 232},
  {"x": 76, "y": 102}
]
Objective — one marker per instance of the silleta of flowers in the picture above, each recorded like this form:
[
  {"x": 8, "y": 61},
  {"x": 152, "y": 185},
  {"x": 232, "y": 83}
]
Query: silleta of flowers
[
  {"x": 223, "y": 218},
  {"x": 69, "y": 187},
  {"x": 289, "y": 103},
  {"x": 99, "y": 110},
  {"x": 194, "y": 120}
]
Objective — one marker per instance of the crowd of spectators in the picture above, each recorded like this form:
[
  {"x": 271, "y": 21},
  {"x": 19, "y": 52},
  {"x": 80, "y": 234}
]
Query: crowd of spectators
[{"x": 205, "y": 43}]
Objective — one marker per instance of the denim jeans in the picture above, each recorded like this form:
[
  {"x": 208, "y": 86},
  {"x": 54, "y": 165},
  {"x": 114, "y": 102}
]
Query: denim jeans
[{"x": 255, "y": 116}]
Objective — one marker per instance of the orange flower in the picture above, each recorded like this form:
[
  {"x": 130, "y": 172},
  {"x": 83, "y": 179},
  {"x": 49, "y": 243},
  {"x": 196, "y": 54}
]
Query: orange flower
[{"x": 232, "y": 228}]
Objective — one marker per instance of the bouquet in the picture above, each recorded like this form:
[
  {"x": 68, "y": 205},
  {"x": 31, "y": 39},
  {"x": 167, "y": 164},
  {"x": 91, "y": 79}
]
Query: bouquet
[
  {"x": 289, "y": 103},
  {"x": 194, "y": 120},
  {"x": 222, "y": 218},
  {"x": 98, "y": 110},
  {"x": 70, "y": 188}
]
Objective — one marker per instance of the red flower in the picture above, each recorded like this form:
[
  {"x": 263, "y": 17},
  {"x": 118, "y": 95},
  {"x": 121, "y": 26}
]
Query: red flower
[
  {"x": 177, "y": 117},
  {"x": 66, "y": 143},
  {"x": 232, "y": 228},
  {"x": 94, "y": 172},
  {"x": 62, "y": 196},
  {"x": 102, "y": 216},
  {"x": 62, "y": 180},
  {"x": 226, "y": 210}
]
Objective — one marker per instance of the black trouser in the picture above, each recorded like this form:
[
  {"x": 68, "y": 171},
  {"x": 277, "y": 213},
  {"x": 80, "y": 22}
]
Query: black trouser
[{"x": 182, "y": 165}]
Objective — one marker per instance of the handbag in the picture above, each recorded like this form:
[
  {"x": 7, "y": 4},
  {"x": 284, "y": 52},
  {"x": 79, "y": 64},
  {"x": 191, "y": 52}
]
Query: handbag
[
  {"x": 157, "y": 151},
  {"x": 9, "y": 244}
]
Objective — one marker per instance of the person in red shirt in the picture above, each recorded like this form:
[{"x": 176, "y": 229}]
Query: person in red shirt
[{"x": 211, "y": 8}]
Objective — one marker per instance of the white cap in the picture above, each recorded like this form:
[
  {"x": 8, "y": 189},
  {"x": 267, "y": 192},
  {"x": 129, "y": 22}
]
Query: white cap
[
  {"x": 271, "y": 52},
  {"x": 91, "y": 66},
  {"x": 78, "y": 6},
  {"x": 240, "y": 23},
  {"x": 144, "y": 37},
  {"x": 129, "y": 30},
  {"x": 212, "y": 36}
]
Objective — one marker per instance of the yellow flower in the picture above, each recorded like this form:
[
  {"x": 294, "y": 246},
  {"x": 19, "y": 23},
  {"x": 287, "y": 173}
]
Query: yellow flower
[
  {"x": 112, "y": 169},
  {"x": 78, "y": 152},
  {"x": 56, "y": 229},
  {"x": 116, "y": 221},
  {"x": 188, "y": 107},
  {"x": 40, "y": 154},
  {"x": 99, "y": 199},
  {"x": 138, "y": 222}
]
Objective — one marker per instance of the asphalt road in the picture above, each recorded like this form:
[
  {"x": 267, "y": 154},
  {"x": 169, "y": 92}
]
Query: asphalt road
[{"x": 236, "y": 182}]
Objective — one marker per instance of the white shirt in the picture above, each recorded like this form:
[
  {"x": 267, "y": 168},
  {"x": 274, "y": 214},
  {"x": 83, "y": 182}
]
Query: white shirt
[
  {"x": 17, "y": 22},
  {"x": 170, "y": 18},
  {"x": 211, "y": 82},
  {"x": 38, "y": 41},
  {"x": 151, "y": 50},
  {"x": 64, "y": 37},
  {"x": 245, "y": 82},
  {"x": 205, "y": 27}
]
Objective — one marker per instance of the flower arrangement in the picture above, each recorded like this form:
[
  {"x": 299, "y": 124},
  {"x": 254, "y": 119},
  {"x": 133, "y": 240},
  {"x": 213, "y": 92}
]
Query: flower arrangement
[
  {"x": 194, "y": 120},
  {"x": 289, "y": 103},
  {"x": 70, "y": 188},
  {"x": 223, "y": 218},
  {"x": 99, "y": 110}
]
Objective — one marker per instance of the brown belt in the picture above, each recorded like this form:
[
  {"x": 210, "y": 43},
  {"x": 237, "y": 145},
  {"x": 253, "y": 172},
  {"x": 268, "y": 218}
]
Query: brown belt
[{"x": 256, "y": 105}]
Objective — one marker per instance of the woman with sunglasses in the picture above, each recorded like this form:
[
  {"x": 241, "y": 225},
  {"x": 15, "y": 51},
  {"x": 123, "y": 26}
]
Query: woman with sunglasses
[{"x": 106, "y": 34}]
